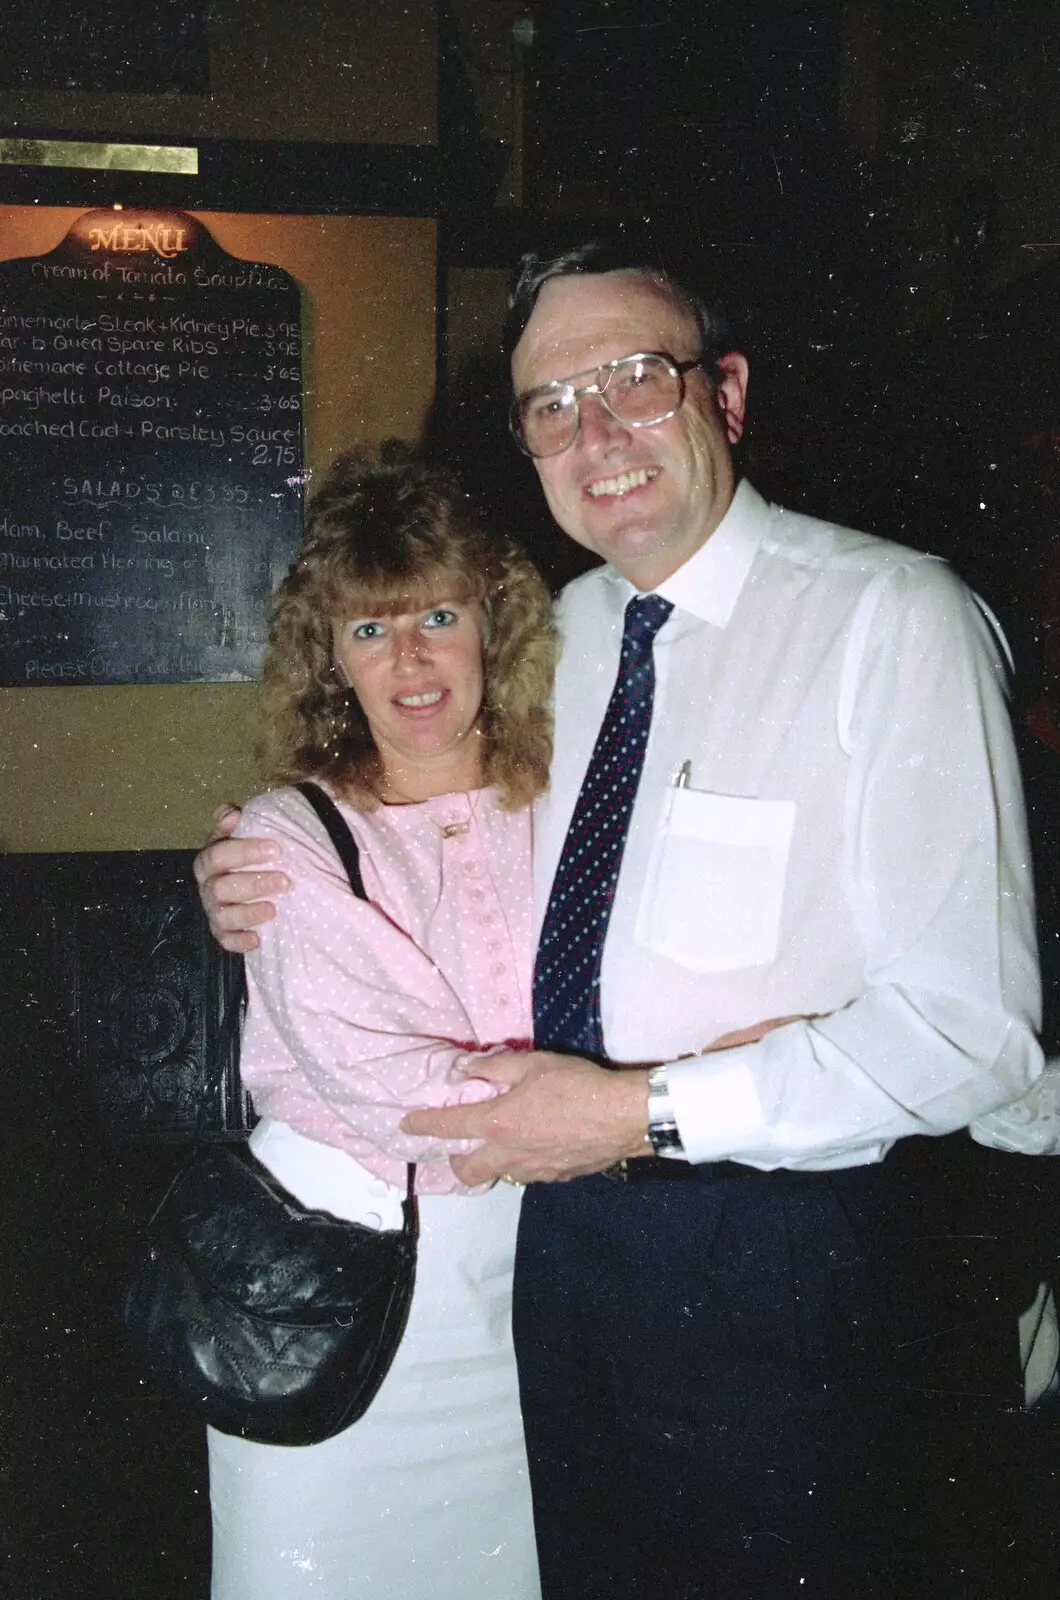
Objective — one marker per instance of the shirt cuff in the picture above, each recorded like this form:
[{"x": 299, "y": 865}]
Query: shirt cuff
[{"x": 716, "y": 1105}]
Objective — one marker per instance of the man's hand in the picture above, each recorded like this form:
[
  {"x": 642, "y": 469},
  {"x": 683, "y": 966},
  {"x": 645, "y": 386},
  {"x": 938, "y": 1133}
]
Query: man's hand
[
  {"x": 562, "y": 1117},
  {"x": 236, "y": 901}
]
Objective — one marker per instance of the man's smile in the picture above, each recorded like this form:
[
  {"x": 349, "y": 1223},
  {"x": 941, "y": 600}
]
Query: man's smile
[{"x": 623, "y": 483}]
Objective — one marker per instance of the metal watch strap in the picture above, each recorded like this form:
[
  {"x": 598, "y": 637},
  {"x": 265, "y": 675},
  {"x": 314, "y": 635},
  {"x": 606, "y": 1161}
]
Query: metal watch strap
[{"x": 663, "y": 1134}]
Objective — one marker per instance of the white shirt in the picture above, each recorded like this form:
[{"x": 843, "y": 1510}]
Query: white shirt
[{"x": 850, "y": 846}]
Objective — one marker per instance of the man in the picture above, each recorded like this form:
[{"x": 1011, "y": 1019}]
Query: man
[{"x": 784, "y": 818}]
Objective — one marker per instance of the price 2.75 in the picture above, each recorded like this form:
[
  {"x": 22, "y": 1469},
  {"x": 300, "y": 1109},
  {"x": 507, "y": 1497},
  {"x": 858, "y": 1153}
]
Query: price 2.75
[{"x": 274, "y": 455}]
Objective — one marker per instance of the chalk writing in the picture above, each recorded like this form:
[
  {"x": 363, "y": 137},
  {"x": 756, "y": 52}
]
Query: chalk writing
[{"x": 151, "y": 475}]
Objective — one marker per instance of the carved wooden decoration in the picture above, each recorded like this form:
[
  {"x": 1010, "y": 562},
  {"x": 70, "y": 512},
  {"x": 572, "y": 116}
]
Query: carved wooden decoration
[{"x": 130, "y": 970}]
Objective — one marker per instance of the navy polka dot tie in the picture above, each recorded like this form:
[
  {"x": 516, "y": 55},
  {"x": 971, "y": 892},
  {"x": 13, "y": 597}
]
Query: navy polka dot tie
[{"x": 570, "y": 953}]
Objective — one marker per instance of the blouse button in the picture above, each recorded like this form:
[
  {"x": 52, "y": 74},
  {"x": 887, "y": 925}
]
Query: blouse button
[{"x": 498, "y": 969}]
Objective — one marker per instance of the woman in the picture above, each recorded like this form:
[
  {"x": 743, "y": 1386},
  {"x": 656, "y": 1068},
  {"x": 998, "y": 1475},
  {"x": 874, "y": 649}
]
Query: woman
[{"x": 408, "y": 670}]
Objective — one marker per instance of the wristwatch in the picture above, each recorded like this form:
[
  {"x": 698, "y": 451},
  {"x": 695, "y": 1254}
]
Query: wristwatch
[{"x": 663, "y": 1135}]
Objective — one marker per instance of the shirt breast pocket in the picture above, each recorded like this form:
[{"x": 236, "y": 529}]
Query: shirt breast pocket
[{"x": 715, "y": 885}]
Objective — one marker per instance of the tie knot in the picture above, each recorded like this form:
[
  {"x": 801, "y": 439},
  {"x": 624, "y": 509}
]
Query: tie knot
[{"x": 645, "y": 615}]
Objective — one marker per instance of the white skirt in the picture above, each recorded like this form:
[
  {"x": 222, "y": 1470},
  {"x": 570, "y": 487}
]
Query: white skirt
[{"x": 426, "y": 1497}]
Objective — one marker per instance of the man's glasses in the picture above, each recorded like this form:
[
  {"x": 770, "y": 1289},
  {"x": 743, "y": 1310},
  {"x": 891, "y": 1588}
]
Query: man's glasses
[{"x": 638, "y": 390}]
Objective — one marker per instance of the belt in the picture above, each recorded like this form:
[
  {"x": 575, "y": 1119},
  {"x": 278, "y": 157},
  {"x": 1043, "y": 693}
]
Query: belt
[{"x": 661, "y": 1169}]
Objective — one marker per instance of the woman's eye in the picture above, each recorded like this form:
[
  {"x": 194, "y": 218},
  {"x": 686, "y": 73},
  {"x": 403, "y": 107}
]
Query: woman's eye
[
  {"x": 440, "y": 617},
  {"x": 367, "y": 630}
]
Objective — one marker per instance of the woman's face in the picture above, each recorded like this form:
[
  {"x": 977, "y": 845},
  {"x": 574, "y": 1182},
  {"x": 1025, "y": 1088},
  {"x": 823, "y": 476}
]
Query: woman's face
[{"x": 419, "y": 679}]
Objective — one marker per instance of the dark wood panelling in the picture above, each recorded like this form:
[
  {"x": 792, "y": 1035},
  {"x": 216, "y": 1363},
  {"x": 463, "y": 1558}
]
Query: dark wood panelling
[
  {"x": 112, "y": 953},
  {"x": 114, "y": 999}
]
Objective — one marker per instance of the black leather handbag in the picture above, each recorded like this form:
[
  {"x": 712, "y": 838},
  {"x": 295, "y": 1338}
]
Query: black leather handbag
[{"x": 272, "y": 1321}]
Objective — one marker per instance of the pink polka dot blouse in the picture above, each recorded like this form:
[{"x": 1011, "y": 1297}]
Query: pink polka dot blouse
[{"x": 360, "y": 1010}]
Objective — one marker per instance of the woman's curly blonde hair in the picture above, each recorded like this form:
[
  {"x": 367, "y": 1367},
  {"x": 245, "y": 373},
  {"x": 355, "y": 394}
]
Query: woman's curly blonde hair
[{"x": 383, "y": 541}]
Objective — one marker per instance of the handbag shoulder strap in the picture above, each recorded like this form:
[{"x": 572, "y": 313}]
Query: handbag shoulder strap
[
  {"x": 338, "y": 832},
  {"x": 348, "y": 853}
]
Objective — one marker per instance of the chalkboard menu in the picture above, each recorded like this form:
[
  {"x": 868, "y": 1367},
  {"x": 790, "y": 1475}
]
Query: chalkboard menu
[{"x": 150, "y": 454}]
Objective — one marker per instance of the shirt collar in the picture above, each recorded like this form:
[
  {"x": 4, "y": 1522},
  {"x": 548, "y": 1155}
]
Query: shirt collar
[{"x": 709, "y": 584}]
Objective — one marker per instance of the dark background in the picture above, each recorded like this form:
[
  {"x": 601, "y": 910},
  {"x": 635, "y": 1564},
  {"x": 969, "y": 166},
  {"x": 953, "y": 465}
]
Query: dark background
[{"x": 853, "y": 178}]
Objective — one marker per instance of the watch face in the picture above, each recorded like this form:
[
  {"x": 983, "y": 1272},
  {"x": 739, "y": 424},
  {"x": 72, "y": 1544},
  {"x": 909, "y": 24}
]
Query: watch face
[{"x": 663, "y": 1135}]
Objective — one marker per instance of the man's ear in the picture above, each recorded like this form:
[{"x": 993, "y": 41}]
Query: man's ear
[{"x": 732, "y": 392}]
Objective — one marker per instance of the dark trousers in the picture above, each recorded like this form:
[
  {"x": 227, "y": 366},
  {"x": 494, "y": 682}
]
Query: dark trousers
[
  {"x": 698, "y": 1384},
  {"x": 786, "y": 1384}
]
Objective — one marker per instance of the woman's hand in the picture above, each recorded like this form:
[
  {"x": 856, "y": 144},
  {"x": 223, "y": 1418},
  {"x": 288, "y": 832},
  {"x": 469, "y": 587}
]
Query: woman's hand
[{"x": 758, "y": 1030}]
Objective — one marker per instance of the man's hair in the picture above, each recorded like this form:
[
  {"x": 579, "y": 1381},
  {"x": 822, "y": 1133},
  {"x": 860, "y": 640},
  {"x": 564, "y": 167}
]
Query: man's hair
[
  {"x": 620, "y": 253},
  {"x": 389, "y": 540}
]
